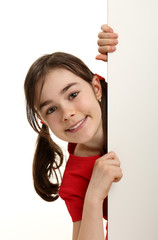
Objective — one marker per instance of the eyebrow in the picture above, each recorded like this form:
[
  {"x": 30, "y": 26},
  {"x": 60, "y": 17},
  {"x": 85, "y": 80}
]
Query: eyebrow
[
  {"x": 67, "y": 87},
  {"x": 45, "y": 103}
]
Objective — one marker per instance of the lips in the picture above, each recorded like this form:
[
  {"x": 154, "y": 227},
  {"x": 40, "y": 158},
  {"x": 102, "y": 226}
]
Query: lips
[{"x": 76, "y": 125}]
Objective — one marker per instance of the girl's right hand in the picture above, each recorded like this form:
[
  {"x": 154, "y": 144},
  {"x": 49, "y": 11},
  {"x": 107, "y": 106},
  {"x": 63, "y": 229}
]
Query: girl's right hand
[
  {"x": 106, "y": 171},
  {"x": 107, "y": 42}
]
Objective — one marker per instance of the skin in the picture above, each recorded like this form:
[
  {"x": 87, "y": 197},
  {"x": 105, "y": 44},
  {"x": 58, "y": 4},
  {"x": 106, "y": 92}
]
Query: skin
[
  {"x": 67, "y": 113},
  {"x": 106, "y": 171},
  {"x": 61, "y": 111},
  {"x": 107, "y": 42}
]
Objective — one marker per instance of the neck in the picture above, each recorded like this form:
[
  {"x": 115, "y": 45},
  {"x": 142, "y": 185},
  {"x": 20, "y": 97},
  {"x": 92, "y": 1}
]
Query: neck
[{"x": 91, "y": 148}]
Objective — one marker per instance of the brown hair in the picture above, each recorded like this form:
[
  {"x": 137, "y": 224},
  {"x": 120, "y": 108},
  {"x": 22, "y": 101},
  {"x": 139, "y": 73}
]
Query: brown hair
[{"x": 48, "y": 156}]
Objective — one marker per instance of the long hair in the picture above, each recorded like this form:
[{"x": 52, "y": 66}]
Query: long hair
[{"x": 48, "y": 156}]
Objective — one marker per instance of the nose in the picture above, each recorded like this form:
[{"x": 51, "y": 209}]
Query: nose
[{"x": 67, "y": 113}]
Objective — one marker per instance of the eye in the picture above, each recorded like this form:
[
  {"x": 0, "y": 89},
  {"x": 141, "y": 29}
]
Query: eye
[
  {"x": 73, "y": 95},
  {"x": 51, "y": 110}
]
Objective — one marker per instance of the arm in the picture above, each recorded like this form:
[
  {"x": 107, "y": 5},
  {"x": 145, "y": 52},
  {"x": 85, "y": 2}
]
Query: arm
[
  {"x": 106, "y": 171},
  {"x": 91, "y": 227},
  {"x": 76, "y": 229},
  {"x": 92, "y": 218}
]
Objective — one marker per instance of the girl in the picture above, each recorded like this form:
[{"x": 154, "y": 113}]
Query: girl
[{"x": 71, "y": 101}]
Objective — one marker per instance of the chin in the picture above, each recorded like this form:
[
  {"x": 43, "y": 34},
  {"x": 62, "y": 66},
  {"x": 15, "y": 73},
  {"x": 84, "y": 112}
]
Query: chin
[{"x": 85, "y": 138}]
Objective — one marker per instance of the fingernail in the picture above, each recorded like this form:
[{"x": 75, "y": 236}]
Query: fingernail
[
  {"x": 113, "y": 48},
  {"x": 116, "y": 35}
]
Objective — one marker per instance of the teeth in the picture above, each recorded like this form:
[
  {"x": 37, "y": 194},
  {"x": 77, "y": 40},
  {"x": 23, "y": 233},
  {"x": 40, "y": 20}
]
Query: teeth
[{"x": 77, "y": 125}]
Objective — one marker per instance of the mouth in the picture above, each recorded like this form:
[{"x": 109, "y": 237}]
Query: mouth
[{"x": 77, "y": 126}]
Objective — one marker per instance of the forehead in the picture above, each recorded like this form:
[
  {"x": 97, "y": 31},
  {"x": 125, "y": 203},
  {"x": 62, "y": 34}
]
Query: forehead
[{"x": 59, "y": 77}]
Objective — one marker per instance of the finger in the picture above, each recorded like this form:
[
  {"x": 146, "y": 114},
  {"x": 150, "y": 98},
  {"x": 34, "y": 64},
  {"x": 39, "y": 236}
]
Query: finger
[
  {"x": 102, "y": 57},
  {"x": 106, "y": 49},
  {"x": 113, "y": 172},
  {"x": 110, "y": 155},
  {"x": 112, "y": 162},
  {"x": 119, "y": 175},
  {"x": 106, "y": 28},
  {"x": 107, "y": 35},
  {"x": 105, "y": 42},
  {"x": 116, "y": 173}
]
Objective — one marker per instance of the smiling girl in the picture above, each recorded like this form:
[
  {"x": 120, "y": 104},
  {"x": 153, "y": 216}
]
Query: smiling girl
[{"x": 71, "y": 101}]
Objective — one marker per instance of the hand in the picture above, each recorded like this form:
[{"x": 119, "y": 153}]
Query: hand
[
  {"x": 107, "y": 42},
  {"x": 106, "y": 171}
]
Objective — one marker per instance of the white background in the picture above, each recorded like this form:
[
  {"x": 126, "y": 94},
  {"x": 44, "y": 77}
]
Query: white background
[{"x": 29, "y": 29}]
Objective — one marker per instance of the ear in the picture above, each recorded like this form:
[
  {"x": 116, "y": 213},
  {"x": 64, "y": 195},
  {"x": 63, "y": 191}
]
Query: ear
[{"x": 97, "y": 87}]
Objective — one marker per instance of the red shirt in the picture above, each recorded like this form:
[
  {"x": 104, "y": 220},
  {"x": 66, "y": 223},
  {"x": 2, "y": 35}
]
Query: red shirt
[{"x": 75, "y": 181}]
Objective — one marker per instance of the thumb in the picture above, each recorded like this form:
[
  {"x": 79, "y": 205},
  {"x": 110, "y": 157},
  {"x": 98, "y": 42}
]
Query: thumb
[{"x": 102, "y": 57}]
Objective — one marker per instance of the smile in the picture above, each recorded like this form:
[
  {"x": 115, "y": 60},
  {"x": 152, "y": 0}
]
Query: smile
[{"x": 77, "y": 126}]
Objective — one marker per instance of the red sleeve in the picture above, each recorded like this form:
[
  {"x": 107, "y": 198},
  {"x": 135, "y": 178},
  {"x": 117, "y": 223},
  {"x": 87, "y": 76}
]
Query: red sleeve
[
  {"x": 75, "y": 208},
  {"x": 74, "y": 186},
  {"x": 72, "y": 191}
]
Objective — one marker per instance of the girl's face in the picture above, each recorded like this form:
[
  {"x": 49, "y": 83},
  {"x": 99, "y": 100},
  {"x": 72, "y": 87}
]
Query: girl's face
[{"x": 69, "y": 106}]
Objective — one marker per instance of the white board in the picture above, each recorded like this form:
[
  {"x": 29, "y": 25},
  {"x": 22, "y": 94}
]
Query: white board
[{"x": 133, "y": 119}]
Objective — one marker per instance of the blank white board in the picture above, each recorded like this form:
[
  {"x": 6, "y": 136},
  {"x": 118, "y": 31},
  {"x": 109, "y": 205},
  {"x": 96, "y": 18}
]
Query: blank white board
[{"x": 133, "y": 119}]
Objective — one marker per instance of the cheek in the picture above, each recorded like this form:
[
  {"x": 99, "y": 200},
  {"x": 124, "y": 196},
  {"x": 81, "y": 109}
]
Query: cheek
[
  {"x": 90, "y": 105},
  {"x": 53, "y": 124}
]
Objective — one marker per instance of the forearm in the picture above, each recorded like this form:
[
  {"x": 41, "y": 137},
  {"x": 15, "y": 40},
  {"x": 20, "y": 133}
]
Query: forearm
[
  {"x": 92, "y": 220},
  {"x": 106, "y": 170}
]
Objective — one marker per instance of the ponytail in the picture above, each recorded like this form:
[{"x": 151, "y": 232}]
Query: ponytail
[{"x": 48, "y": 158}]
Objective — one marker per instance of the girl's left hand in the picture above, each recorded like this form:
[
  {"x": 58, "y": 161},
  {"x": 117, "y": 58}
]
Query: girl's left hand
[{"x": 107, "y": 42}]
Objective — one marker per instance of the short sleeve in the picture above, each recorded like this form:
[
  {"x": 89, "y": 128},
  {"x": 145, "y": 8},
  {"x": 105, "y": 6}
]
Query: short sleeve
[
  {"x": 72, "y": 191},
  {"x": 75, "y": 208},
  {"x": 74, "y": 184}
]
